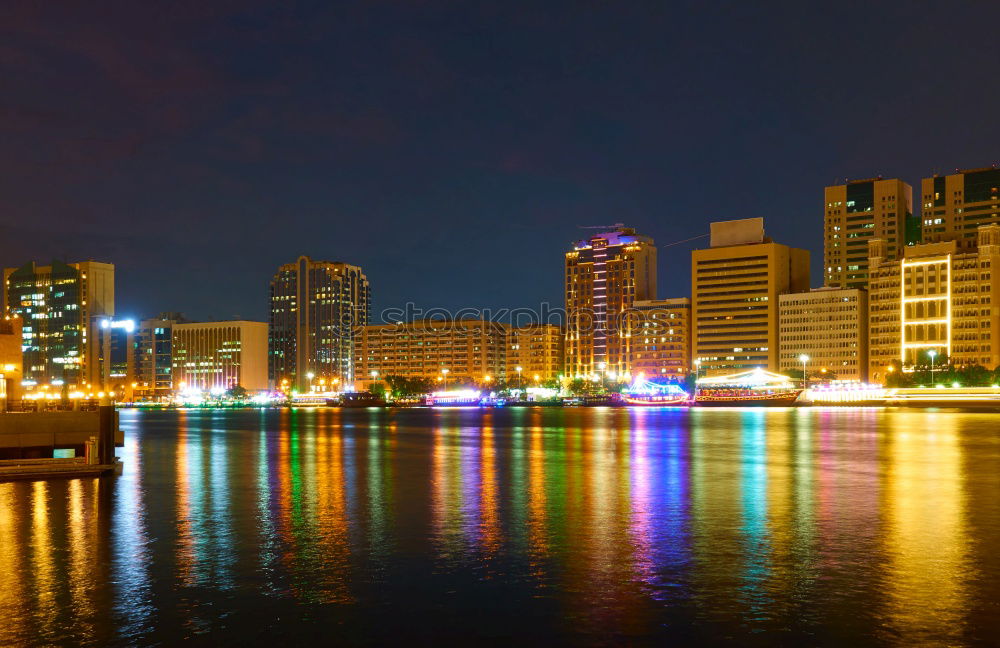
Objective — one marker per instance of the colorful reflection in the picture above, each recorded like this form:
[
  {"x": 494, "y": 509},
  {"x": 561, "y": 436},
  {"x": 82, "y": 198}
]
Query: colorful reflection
[{"x": 605, "y": 525}]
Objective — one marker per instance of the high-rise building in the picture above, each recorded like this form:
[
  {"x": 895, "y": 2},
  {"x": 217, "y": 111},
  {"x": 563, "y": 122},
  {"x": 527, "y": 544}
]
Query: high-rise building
[
  {"x": 939, "y": 297},
  {"x": 857, "y": 212},
  {"x": 661, "y": 339},
  {"x": 317, "y": 309},
  {"x": 830, "y": 326},
  {"x": 215, "y": 356},
  {"x": 463, "y": 351},
  {"x": 116, "y": 357},
  {"x": 954, "y": 206},
  {"x": 154, "y": 356},
  {"x": 60, "y": 306},
  {"x": 605, "y": 274},
  {"x": 537, "y": 349},
  {"x": 735, "y": 285}
]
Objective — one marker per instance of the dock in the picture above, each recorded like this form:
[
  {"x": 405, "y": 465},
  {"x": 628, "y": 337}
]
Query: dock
[{"x": 32, "y": 469}]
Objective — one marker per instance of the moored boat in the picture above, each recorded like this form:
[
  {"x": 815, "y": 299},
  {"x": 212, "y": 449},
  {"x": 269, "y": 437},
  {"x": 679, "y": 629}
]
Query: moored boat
[
  {"x": 755, "y": 388},
  {"x": 644, "y": 393}
]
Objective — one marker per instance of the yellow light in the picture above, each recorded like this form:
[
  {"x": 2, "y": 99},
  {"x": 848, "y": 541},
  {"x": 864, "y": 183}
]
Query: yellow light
[{"x": 9, "y": 367}]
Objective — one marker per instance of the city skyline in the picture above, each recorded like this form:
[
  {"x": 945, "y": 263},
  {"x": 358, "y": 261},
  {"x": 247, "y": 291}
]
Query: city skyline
[{"x": 225, "y": 157}]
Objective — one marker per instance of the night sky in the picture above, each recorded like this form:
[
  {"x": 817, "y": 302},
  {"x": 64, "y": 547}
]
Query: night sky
[{"x": 453, "y": 149}]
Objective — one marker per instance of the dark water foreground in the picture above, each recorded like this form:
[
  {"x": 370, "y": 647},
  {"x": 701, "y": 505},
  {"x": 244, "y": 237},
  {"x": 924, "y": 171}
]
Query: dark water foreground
[{"x": 808, "y": 526}]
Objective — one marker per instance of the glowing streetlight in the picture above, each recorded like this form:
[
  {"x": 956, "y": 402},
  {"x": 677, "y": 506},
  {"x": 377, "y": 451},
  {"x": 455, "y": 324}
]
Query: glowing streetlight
[
  {"x": 932, "y": 354},
  {"x": 519, "y": 369},
  {"x": 803, "y": 359},
  {"x": 697, "y": 369},
  {"x": 444, "y": 372},
  {"x": 374, "y": 375}
]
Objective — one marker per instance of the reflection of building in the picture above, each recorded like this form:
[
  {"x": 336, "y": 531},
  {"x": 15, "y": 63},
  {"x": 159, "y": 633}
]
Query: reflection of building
[
  {"x": 734, "y": 287},
  {"x": 940, "y": 297},
  {"x": 604, "y": 275},
  {"x": 10, "y": 358},
  {"x": 955, "y": 205},
  {"x": 317, "y": 307},
  {"x": 470, "y": 350},
  {"x": 661, "y": 338},
  {"x": 856, "y": 213},
  {"x": 537, "y": 349},
  {"x": 60, "y": 304},
  {"x": 219, "y": 355},
  {"x": 829, "y": 325}
]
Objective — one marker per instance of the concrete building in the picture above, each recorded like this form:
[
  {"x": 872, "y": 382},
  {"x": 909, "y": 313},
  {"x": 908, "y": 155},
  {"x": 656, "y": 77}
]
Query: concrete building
[
  {"x": 941, "y": 296},
  {"x": 660, "y": 334},
  {"x": 154, "y": 356},
  {"x": 60, "y": 305},
  {"x": 605, "y": 274},
  {"x": 857, "y": 212},
  {"x": 538, "y": 350},
  {"x": 466, "y": 351},
  {"x": 830, "y": 325},
  {"x": 317, "y": 309},
  {"x": 735, "y": 285},
  {"x": 116, "y": 358},
  {"x": 219, "y": 355},
  {"x": 954, "y": 206},
  {"x": 10, "y": 360}
]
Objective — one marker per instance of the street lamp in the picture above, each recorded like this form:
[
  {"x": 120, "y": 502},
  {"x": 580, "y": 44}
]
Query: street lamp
[
  {"x": 519, "y": 369},
  {"x": 444, "y": 372},
  {"x": 697, "y": 369},
  {"x": 932, "y": 354},
  {"x": 803, "y": 359}
]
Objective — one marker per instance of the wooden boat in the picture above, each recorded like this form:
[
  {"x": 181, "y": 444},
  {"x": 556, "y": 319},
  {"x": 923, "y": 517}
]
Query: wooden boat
[{"x": 755, "y": 388}]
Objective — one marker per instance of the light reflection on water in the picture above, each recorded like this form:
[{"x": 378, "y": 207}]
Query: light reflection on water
[{"x": 592, "y": 525}]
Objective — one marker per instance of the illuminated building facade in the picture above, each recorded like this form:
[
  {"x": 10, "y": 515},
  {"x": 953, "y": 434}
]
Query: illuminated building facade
[
  {"x": 215, "y": 356},
  {"x": 60, "y": 305},
  {"x": 940, "y": 297},
  {"x": 10, "y": 359},
  {"x": 537, "y": 349},
  {"x": 605, "y": 274},
  {"x": 116, "y": 354},
  {"x": 661, "y": 339},
  {"x": 154, "y": 356},
  {"x": 735, "y": 285},
  {"x": 472, "y": 351},
  {"x": 857, "y": 212},
  {"x": 317, "y": 309},
  {"x": 954, "y": 206},
  {"x": 830, "y": 325}
]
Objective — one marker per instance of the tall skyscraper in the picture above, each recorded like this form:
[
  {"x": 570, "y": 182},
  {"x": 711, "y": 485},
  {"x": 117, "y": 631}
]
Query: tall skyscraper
[
  {"x": 735, "y": 286},
  {"x": 954, "y": 206},
  {"x": 60, "y": 305},
  {"x": 857, "y": 212},
  {"x": 317, "y": 311},
  {"x": 605, "y": 274}
]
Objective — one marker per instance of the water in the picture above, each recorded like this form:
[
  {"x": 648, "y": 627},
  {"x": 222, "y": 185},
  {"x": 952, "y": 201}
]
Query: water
[{"x": 563, "y": 526}]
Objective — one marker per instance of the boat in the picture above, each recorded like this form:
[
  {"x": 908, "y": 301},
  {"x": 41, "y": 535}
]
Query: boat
[
  {"x": 754, "y": 388},
  {"x": 358, "y": 399},
  {"x": 594, "y": 400},
  {"x": 644, "y": 393},
  {"x": 457, "y": 398}
]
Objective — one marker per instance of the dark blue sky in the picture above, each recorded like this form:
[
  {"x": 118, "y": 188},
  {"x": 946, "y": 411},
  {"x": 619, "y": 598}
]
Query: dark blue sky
[{"x": 452, "y": 149}]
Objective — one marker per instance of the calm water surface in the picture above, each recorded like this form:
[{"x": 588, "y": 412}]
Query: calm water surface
[{"x": 582, "y": 526}]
